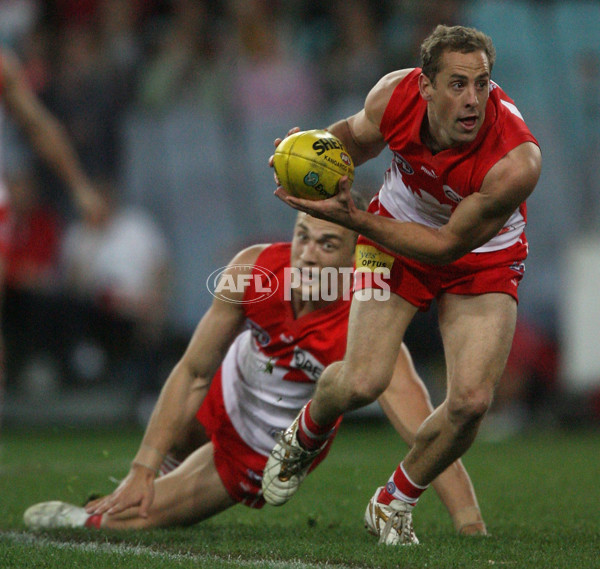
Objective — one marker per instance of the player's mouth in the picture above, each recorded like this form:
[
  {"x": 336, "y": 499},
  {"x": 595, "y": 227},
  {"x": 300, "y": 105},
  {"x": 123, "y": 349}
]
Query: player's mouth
[
  {"x": 309, "y": 275},
  {"x": 469, "y": 123}
]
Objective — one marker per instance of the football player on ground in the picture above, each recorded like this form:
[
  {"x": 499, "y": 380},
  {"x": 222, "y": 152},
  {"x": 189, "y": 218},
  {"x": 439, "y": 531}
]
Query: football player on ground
[{"x": 252, "y": 363}]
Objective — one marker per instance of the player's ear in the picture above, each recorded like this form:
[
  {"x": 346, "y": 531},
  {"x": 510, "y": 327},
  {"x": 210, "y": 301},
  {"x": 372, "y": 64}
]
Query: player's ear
[{"x": 425, "y": 87}]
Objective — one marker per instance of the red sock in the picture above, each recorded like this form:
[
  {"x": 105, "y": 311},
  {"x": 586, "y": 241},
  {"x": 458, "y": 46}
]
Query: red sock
[
  {"x": 93, "y": 521},
  {"x": 310, "y": 435},
  {"x": 400, "y": 487}
]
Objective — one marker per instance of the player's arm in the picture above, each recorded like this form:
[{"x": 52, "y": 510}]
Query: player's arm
[
  {"x": 477, "y": 219},
  {"x": 46, "y": 134},
  {"x": 182, "y": 394},
  {"x": 360, "y": 133}
]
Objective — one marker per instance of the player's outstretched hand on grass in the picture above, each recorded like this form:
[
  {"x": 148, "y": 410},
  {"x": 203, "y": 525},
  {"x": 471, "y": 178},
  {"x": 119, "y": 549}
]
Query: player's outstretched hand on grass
[{"x": 136, "y": 489}]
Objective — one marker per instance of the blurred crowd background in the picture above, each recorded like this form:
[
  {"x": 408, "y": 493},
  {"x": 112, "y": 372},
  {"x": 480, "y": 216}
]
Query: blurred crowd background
[{"x": 173, "y": 106}]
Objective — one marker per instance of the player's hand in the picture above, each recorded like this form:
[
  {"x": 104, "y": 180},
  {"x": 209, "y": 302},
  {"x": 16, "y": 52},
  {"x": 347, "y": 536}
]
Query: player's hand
[
  {"x": 338, "y": 209},
  {"x": 276, "y": 143},
  {"x": 136, "y": 489}
]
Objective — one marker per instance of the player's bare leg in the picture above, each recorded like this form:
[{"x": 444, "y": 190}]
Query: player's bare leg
[
  {"x": 191, "y": 439},
  {"x": 477, "y": 332},
  {"x": 189, "y": 494},
  {"x": 406, "y": 403},
  {"x": 341, "y": 387},
  {"x": 369, "y": 363}
]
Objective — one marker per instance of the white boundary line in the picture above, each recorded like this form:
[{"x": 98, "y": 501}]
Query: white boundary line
[{"x": 143, "y": 550}]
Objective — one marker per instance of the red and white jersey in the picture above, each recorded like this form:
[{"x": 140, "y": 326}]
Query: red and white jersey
[
  {"x": 426, "y": 188},
  {"x": 271, "y": 369}
]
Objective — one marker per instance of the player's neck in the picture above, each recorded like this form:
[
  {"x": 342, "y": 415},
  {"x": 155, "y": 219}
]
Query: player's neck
[
  {"x": 428, "y": 139},
  {"x": 301, "y": 307}
]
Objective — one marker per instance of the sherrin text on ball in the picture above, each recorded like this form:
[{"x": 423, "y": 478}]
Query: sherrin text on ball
[{"x": 310, "y": 163}]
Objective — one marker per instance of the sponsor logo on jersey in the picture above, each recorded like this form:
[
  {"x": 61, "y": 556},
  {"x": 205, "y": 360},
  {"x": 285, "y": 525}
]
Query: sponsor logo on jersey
[
  {"x": 307, "y": 363},
  {"x": 259, "y": 334},
  {"x": 372, "y": 273},
  {"x": 404, "y": 165},
  {"x": 451, "y": 194},
  {"x": 369, "y": 258},
  {"x": 518, "y": 267}
]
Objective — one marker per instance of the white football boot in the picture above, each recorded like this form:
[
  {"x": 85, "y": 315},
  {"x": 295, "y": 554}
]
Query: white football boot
[
  {"x": 287, "y": 466},
  {"x": 392, "y": 523},
  {"x": 48, "y": 515}
]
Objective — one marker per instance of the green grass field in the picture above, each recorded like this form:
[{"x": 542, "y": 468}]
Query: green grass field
[{"x": 539, "y": 493}]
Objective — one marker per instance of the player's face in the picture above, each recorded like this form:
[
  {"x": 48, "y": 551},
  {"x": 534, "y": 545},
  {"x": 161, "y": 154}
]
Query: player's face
[
  {"x": 316, "y": 245},
  {"x": 456, "y": 101}
]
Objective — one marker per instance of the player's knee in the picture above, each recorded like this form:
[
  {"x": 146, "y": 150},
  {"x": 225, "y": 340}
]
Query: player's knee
[
  {"x": 364, "y": 390},
  {"x": 469, "y": 406}
]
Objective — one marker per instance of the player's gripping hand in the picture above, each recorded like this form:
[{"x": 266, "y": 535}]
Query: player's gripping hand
[
  {"x": 276, "y": 143},
  {"x": 339, "y": 208},
  {"x": 136, "y": 489}
]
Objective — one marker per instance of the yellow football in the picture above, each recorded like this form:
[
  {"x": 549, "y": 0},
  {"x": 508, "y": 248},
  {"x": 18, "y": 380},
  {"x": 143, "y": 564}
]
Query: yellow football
[{"x": 310, "y": 163}]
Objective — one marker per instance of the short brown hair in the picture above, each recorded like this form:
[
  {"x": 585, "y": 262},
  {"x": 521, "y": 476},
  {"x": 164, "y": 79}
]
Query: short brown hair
[{"x": 453, "y": 38}]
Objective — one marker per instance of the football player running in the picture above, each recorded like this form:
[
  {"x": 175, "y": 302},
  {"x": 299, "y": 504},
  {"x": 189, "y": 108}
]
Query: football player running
[{"x": 448, "y": 223}]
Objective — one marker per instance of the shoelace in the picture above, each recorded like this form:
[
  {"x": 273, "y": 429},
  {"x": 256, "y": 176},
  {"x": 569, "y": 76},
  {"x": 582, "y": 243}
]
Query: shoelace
[
  {"x": 399, "y": 522},
  {"x": 293, "y": 458}
]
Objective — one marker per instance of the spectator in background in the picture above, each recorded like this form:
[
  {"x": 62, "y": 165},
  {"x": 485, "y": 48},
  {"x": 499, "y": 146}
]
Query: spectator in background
[
  {"x": 182, "y": 63},
  {"x": 266, "y": 76},
  {"x": 87, "y": 96},
  {"x": 17, "y": 19},
  {"x": 33, "y": 255},
  {"x": 410, "y": 21},
  {"x": 48, "y": 139},
  {"x": 354, "y": 43},
  {"x": 29, "y": 319},
  {"x": 117, "y": 271},
  {"x": 119, "y": 23}
]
